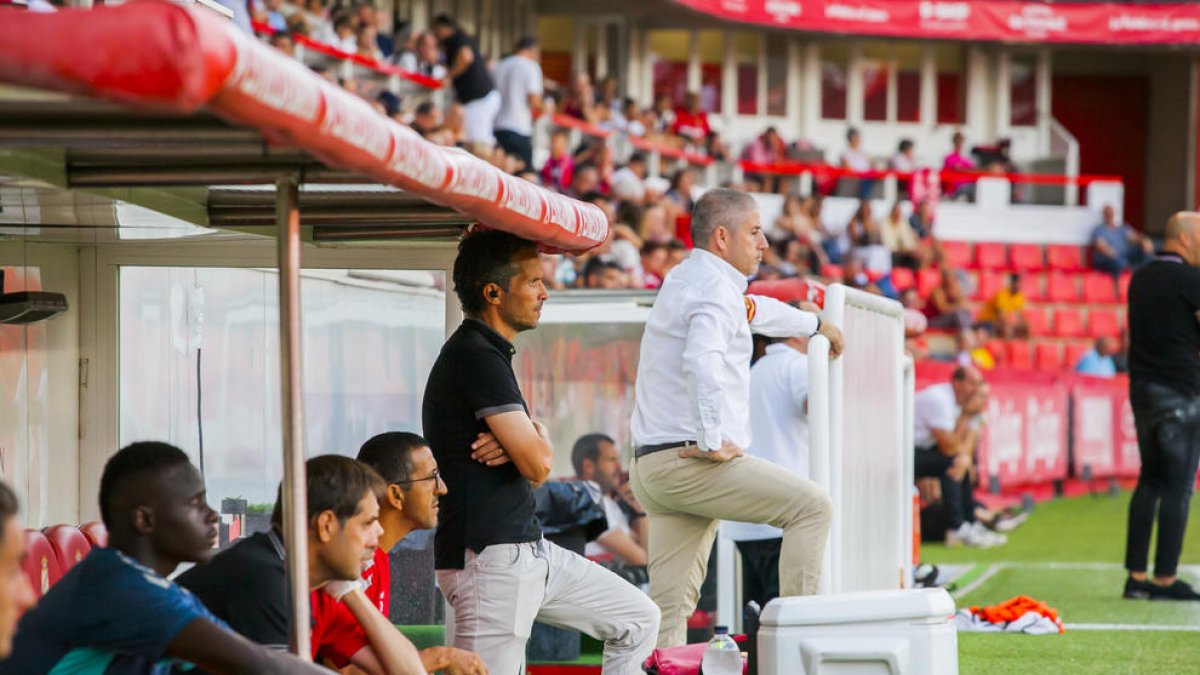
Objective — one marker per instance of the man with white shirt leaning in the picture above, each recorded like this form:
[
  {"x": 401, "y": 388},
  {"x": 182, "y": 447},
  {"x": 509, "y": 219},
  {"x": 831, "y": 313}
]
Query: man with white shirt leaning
[
  {"x": 779, "y": 425},
  {"x": 691, "y": 419},
  {"x": 519, "y": 80}
]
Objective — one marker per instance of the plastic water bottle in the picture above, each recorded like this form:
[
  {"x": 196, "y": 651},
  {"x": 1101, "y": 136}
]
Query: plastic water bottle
[{"x": 722, "y": 656}]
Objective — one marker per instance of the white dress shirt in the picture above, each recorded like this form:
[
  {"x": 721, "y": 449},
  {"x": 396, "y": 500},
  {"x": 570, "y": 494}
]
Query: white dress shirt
[
  {"x": 693, "y": 379},
  {"x": 779, "y": 422},
  {"x": 934, "y": 407}
]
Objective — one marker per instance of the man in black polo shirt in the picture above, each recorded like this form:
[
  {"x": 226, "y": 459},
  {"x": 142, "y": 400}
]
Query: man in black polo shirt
[
  {"x": 493, "y": 566},
  {"x": 473, "y": 85},
  {"x": 1164, "y": 388}
]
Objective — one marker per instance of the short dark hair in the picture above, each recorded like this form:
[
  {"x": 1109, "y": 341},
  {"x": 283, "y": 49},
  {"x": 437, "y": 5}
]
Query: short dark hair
[
  {"x": 960, "y": 373},
  {"x": 390, "y": 454},
  {"x": 334, "y": 483},
  {"x": 588, "y": 447},
  {"x": 131, "y": 461},
  {"x": 598, "y": 264},
  {"x": 851, "y": 132},
  {"x": 9, "y": 507},
  {"x": 485, "y": 257},
  {"x": 593, "y": 196},
  {"x": 905, "y": 144},
  {"x": 525, "y": 42},
  {"x": 444, "y": 20},
  {"x": 425, "y": 108},
  {"x": 638, "y": 156}
]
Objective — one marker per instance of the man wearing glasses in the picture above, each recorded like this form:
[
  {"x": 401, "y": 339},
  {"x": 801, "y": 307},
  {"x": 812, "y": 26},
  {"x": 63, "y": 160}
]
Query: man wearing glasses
[
  {"x": 409, "y": 502},
  {"x": 493, "y": 566}
]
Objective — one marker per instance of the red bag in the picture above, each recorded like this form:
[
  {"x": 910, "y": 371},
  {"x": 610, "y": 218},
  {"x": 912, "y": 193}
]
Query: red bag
[{"x": 683, "y": 660}]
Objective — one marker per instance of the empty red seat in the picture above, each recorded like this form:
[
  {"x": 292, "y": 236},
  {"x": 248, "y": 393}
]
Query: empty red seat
[
  {"x": 1032, "y": 287},
  {"x": 1026, "y": 257},
  {"x": 40, "y": 564},
  {"x": 1049, "y": 356},
  {"x": 1099, "y": 288},
  {"x": 1068, "y": 323},
  {"x": 991, "y": 256},
  {"x": 988, "y": 285},
  {"x": 1019, "y": 355},
  {"x": 1103, "y": 323},
  {"x": 903, "y": 278},
  {"x": 96, "y": 533},
  {"x": 998, "y": 351},
  {"x": 1037, "y": 321},
  {"x": 69, "y": 545},
  {"x": 1061, "y": 288},
  {"x": 956, "y": 253},
  {"x": 1123, "y": 286},
  {"x": 1065, "y": 257},
  {"x": 1075, "y": 352},
  {"x": 832, "y": 272},
  {"x": 927, "y": 280}
]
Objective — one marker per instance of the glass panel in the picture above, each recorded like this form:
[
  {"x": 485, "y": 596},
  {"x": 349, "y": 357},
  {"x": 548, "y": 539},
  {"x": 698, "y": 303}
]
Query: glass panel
[
  {"x": 1022, "y": 74},
  {"x": 369, "y": 340},
  {"x": 908, "y": 82},
  {"x": 874, "y": 66},
  {"x": 669, "y": 54},
  {"x": 746, "y": 46},
  {"x": 777, "y": 69},
  {"x": 951, "y": 88},
  {"x": 834, "y": 59}
]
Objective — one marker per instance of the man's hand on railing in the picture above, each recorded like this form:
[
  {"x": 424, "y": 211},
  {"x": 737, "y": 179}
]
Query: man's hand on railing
[{"x": 834, "y": 335}]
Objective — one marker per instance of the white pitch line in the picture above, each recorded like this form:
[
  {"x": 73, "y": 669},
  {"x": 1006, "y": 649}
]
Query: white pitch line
[
  {"x": 980, "y": 580},
  {"x": 1132, "y": 627}
]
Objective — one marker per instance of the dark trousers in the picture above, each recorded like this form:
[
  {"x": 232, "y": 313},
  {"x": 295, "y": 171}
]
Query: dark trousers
[
  {"x": 760, "y": 570},
  {"x": 516, "y": 145},
  {"x": 958, "y": 496},
  {"x": 1168, "y": 432}
]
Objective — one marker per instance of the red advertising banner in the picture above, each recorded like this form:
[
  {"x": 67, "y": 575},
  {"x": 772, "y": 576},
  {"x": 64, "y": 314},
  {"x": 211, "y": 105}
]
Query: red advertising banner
[
  {"x": 1025, "y": 439},
  {"x": 976, "y": 20}
]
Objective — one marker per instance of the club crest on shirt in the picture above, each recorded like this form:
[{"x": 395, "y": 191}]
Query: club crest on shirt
[{"x": 751, "y": 308}]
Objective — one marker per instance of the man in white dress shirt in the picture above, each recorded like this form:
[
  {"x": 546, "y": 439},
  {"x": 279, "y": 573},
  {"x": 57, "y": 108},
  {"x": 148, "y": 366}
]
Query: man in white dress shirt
[{"x": 691, "y": 419}]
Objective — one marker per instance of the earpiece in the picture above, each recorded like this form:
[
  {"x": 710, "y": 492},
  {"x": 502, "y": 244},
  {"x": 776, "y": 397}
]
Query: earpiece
[{"x": 495, "y": 294}]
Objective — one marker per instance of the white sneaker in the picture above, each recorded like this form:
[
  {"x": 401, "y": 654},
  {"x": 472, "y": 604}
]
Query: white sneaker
[
  {"x": 1010, "y": 523},
  {"x": 984, "y": 537}
]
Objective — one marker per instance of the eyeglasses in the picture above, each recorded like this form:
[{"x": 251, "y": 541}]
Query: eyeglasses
[{"x": 436, "y": 476}]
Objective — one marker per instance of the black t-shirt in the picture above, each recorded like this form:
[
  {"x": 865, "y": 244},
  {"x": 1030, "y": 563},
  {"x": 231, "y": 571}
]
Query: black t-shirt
[
  {"x": 473, "y": 379},
  {"x": 246, "y": 587},
  {"x": 475, "y": 82},
  {"x": 1164, "y": 334}
]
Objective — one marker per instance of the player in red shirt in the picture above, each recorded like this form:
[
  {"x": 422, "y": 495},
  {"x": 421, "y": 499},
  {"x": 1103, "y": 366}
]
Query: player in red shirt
[{"x": 409, "y": 503}]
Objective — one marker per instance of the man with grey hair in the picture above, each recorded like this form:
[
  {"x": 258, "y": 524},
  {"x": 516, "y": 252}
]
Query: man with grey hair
[{"x": 691, "y": 419}]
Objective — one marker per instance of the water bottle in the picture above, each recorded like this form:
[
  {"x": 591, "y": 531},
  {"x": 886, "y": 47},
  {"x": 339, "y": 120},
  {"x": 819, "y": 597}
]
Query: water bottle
[{"x": 722, "y": 656}]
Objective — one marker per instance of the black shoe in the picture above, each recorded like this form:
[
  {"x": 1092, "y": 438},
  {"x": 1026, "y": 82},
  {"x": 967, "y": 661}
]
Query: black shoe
[
  {"x": 1137, "y": 590},
  {"x": 1180, "y": 590}
]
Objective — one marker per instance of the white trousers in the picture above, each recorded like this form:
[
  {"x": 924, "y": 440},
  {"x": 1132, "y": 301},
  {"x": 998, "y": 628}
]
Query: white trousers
[
  {"x": 479, "y": 119},
  {"x": 501, "y": 590}
]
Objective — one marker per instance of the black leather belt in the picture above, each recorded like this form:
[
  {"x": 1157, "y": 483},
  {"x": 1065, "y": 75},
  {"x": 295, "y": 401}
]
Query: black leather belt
[{"x": 643, "y": 450}]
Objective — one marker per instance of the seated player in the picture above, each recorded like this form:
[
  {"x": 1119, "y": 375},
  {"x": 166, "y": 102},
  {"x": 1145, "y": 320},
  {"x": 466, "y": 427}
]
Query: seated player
[
  {"x": 116, "y": 611},
  {"x": 410, "y": 502},
  {"x": 246, "y": 585}
]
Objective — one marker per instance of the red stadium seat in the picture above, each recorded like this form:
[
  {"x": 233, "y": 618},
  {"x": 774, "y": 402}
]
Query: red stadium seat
[
  {"x": 1065, "y": 257},
  {"x": 1075, "y": 352},
  {"x": 989, "y": 284},
  {"x": 991, "y": 256},
  {"x": 1019, "y": 355},
  {"x": 956, "y": 253},
  {"x": 1032, "y": 287},
  {"x": 830, "y": 271},
  {"x": 69, "y": 545},
  {"x": 1099, "y": 289},
  {"x": 1103, "y": 323},
  {"x": 998, "y": 351},
  {"x": 1037, "y": 321},
  {"x": 1068, "y": 323},
  {"x": 903, "y": 278},
  {"x": 1123, "y": 286},
  {"x": 96, "y": 533},
  {"x": 1026, "y": 257},
  {"x": 927, "y": 280},
  {"x": 1049, "y": 356},
  {"x": 1061, "y": 288},
  {"x": 40, "y": 564}
]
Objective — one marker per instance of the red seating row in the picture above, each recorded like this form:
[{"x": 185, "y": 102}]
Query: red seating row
[
  {"x": 52, "y": 552},
  {"x": 1091, "y": 288},
  {"x": 1044, "y": 356},
  {"x": 1069, "y": 323},
  {"x": 1016, "y": 257}
]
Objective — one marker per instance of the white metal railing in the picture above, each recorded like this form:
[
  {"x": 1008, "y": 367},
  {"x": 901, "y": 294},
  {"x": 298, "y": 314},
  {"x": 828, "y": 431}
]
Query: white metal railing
[{"x": 1064, "y": 144}]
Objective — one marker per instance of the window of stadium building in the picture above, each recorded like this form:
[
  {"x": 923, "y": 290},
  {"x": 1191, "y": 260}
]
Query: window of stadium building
[
  {"x": 711, "y": 44},
  {"x": 199, "y": 365},
  {"x": 777, "y": 69},
  {"x": 835, "y": 57},
  {"x": 1022, "y": 90},
  {"x": 908, "y": 60},
  {"x": 669, "y": 59},
  {"x": 746, "y": 46},
  {"x": 874, "y": 66},
  {"x": 951, "y": 84}
]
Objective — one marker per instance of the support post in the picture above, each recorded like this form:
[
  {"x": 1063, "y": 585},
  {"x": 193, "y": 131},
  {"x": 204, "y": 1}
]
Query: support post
[{"x": 295, "y": 486}]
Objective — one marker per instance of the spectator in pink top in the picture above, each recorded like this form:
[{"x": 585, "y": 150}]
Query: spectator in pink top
[
  {"x": 767, "y": 148},
  {"x": 957, "y": 161}
]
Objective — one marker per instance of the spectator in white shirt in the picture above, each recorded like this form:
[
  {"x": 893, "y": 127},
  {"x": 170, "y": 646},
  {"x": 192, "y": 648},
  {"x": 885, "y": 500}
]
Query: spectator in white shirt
[
  {"x": 519, "y": 80},
  {"x": 597, "y": 462},
  {"x": 855, "y": 159},
  {"x": 690, "y": 420},
  {"x": 779, "y": 425}
]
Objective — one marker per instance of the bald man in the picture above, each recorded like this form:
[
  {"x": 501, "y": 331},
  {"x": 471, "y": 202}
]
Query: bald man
[{"x": 1164, "y": 388}]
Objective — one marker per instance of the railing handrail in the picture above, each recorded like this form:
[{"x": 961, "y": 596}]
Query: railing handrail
[{"x": 795, "y": 168}]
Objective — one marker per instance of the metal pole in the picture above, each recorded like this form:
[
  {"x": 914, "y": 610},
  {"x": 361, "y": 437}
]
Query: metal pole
[{"x": 295, "y": 492}]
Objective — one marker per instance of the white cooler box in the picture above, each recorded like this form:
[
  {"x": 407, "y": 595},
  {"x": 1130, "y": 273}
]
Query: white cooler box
[{"x": 872, "y": 632}]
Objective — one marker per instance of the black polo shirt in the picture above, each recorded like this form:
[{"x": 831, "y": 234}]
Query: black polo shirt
[
  {"x": 471, "y": 380},
  {"x": 475, "y": 82},
  {"x": 1164, "y": 333}
]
